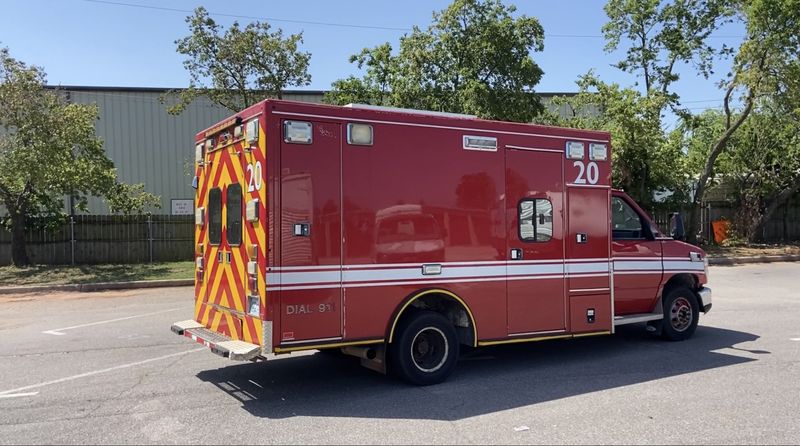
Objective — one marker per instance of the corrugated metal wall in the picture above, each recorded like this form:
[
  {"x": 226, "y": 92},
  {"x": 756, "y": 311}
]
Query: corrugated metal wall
[
  {"x": 147, "y": 144},
  {"x": 150, "y": 146}
]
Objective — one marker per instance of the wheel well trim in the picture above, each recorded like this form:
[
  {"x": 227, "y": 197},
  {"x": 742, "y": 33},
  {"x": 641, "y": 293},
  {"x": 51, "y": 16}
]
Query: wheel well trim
[
  {"x": 417, "y": 295},
  {"x": 666, "y": 279}
]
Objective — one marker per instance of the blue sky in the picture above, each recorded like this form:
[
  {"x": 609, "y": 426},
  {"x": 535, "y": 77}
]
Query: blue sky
[{"x": 84, "y": 42}]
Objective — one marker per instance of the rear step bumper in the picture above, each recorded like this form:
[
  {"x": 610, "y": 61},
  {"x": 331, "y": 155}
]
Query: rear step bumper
[{"x": 218, "y": 343}]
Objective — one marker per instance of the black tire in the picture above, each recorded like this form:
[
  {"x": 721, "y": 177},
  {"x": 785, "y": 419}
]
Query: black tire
[
  {"x": 681, "y": 314},
  {"x": 425, "y": 349}
]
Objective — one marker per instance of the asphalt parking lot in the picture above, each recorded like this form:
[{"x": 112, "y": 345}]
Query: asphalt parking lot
[{"x": 105, "y": 368}]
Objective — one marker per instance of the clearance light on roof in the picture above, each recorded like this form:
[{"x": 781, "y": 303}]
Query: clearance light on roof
[
  {"x": 359, "y": 134},
  {"x": 297, "y": 132},
  {"x": 484, "y": 143},
  {"x": 598, "y": 152},
  {"x": 575, "y": 150}
]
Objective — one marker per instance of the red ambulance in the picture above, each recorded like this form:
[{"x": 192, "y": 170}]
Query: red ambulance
[{"x": 399, "y": 236}]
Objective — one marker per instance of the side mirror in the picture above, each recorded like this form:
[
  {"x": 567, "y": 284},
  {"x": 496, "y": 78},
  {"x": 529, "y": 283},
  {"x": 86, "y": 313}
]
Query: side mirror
[
  {"x": 676, "y": 229},
  {"x": 195, "y": 182}
]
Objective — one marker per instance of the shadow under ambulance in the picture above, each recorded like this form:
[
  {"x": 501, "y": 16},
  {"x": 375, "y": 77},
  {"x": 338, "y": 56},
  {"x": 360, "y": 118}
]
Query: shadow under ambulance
[{"x": 487, "y": 380}]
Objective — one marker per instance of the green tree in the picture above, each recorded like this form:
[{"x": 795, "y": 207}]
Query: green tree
[
  {"x": 238, "y": 67},
  {"x": 474, "y": 58},
  {"x": 657, "y": 37},
  {"x": 761, "y": 164},
  {"x": 660, "y": 35},
  {"x": 765, "y": 65},
  {"x": 48, "y": 149},
  {"x": 646, "y": 161}
]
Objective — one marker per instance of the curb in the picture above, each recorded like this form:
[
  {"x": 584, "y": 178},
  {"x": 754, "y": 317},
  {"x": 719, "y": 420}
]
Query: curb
[
  {"x": 137, "y": 284},
  {"x": 104, "y": 286},
  {"x": 754, "y": 259}
]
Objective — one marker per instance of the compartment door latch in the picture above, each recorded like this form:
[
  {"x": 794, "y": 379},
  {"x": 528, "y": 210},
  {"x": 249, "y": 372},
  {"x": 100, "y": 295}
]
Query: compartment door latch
[{"x": 301, "y": 229}]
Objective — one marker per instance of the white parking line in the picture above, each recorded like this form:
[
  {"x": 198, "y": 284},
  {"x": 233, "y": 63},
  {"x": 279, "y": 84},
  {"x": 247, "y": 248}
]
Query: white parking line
[
  {"x": 97, "y": 372},
  {"x": 17, "y": 395},
  {"x": 794, "y": 339},
  {"x": 58, "y": 331}
]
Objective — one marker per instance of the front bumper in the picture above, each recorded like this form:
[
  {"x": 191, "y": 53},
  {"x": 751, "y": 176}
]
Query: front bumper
[
  {"x": 218, "y": 343},
  {"x": 704, "y": 295}
]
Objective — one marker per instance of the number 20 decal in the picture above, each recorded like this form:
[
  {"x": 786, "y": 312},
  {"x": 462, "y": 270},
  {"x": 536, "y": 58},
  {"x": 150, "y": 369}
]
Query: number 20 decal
[
  {"x": 586, "y": 172},
  {"x": 255, "y": 177}
]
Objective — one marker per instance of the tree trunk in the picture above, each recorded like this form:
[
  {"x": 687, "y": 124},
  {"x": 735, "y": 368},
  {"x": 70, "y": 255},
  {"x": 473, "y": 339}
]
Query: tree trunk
[
  {"x": 785, "y": 220},
  {"x": 779, "y": 201},
  {"x": 19, "y": 252},
  {"x": 693, "y": 222}
]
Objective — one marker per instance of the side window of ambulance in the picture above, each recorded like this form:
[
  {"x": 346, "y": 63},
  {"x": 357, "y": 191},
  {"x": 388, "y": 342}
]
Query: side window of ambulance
[
  {"x": 535, "y": 220},
  {"x": 215, "y": 216},
  {"x": 625, "y": 222},
  {"x": 234, "y": 220}
]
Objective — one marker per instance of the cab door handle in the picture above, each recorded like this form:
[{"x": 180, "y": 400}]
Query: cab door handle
[{"x": 516, "y": 254}]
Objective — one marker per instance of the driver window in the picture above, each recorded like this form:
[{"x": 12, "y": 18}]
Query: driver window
[{"x": 625, "y": 223}]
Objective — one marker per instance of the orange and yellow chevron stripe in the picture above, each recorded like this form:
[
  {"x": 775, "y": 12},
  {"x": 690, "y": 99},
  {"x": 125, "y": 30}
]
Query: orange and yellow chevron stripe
[{"x": 222, "y": 286}]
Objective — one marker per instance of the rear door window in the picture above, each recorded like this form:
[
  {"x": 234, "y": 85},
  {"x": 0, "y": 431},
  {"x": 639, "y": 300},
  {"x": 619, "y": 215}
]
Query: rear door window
[
  {"x": 234, "y": 217},
  {"x": 215, "y": 216}
]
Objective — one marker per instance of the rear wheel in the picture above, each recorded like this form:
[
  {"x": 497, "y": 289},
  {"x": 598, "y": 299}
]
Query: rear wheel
[
  {"x": 681, "y": 314},
  {"x": 425, "y": 350}
]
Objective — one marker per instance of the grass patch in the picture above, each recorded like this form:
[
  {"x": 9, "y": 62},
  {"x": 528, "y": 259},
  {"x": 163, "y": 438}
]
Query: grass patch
[
  {"x": 63, "y": 275},
  {"x": 751, "y": 250}
]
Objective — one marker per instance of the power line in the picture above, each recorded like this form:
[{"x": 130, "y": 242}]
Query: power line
[
  {"x": 239, "y": 16},
  {"x": 702, "y": 100},
  {"x": 306, "y": 22}
]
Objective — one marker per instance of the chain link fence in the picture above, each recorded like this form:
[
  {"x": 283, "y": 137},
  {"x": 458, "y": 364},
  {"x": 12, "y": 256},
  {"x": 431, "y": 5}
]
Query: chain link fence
[{"x": 89, "y": 239}]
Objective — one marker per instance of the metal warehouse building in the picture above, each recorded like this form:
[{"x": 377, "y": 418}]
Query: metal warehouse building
[{"x": 150, "y": 146}]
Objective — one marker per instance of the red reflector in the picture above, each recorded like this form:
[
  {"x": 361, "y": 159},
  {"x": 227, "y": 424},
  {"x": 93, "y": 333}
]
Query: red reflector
[{"x": 253, "y": 284}]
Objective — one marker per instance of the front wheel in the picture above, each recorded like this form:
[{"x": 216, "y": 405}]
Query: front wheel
[
  {"x": 426, "y": 349},
  {"x": 681, "y": 314}
]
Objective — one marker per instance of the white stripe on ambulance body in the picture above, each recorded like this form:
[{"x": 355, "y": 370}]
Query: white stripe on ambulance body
[
  {"x": 636, "y": 265},
  {"x": 683, "y": 265},
  {"x": 333, "y": 276}
]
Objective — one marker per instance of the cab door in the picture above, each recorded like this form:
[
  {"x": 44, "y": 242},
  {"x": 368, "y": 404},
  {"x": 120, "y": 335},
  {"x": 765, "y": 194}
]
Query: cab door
[
  {"x": 311, "y": 236},
  {"x": 638, "y": 268},
  {"x": 535, "y": 202}
]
